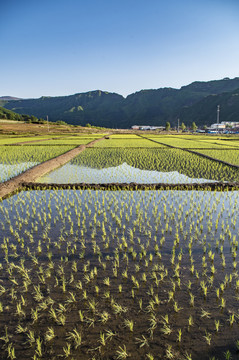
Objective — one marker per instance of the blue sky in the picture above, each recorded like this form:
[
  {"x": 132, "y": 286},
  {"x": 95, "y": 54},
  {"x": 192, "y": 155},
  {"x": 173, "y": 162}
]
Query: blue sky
[{"x": 61, "y": 47}]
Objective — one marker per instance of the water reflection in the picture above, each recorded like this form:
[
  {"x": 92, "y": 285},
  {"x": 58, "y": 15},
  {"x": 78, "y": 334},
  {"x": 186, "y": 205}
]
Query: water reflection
[
  {"x": 7, "y": 171},
  {"x": 123, "y": 173}
]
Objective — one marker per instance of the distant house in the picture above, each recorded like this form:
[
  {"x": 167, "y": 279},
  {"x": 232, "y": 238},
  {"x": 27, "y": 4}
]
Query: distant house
[
  {"x": 217, "y": 126},
  {"x": 223, "y": 127},
  {"x": 230, "y": 123},
  {"x": 147, "y": 127}
]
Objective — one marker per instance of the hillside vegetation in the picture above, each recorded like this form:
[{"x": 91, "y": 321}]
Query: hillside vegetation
[{"x": 9, "y": 115}]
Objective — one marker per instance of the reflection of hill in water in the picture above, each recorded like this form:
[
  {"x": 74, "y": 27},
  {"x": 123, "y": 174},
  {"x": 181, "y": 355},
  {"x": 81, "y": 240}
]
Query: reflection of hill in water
[
  {"x": 160, "y": 160},
  {"x": 123, "y": 173}
]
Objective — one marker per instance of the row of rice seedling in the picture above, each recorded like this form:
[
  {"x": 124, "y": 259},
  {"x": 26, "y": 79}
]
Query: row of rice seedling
[
  {"x": 230, "y": 156},
  {"x": 222, "y": 142},
  {"x": 211, "y": 137},
  {"x": 197, "y": 137},
  {"x": 50, "y": 138},
  {"x": 127, "y": 143},
  {"x": 16, "y": 159},
  {"x": 85, "y": 135},
  {"x": 124, "y": 136},
  {"x": 66, "y": 141},
  {"x": 6, "y": 140},
  {"x": 118, "y": 275},
  {"x": 218, "y": 141},
  {"x": 191, "y": 144},
  {"x": 164, "y": 160}
]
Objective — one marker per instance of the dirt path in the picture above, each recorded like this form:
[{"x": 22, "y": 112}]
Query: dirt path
[{"x": 35, "y": 172}]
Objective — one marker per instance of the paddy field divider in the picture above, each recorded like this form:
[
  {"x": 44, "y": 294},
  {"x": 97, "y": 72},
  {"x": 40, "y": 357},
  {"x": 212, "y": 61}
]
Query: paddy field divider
[{"x": 10, "y": 186}]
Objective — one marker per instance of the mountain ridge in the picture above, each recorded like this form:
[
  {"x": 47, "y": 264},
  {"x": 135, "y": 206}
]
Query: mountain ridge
[
  {"x": 145, "y": 107},
  {"x": 9, "y": 98}
]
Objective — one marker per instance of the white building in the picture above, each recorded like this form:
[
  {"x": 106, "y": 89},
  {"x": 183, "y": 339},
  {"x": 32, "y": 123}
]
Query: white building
[
  {"x": 147, "y": 127},
  {"x": 223, "y": 125},
  {"x": 230, "y": 123},
  {"x": 218, "y": 126}
]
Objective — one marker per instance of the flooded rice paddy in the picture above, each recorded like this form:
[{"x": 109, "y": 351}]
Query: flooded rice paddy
[
  {"x": 124, "y": 173},
  {"x": 111, "y": 275},
  {"x": 7, "y": 171},
  {"x": 119, "y": 275},
  {"x": 141, "y": 166},
  {"x": 16, "y": 159}
]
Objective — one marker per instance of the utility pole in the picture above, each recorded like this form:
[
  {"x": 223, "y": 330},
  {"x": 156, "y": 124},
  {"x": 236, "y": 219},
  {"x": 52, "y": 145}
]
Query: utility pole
[
  {"x": 47, "y": 123},
  {"x": 218, "y": 115},
  {"x": 178, "y": 125}
]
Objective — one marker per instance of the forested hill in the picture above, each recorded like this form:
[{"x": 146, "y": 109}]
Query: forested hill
[
  {"x": 6, "y": 114},
  {"x": 194, "y": 102}
]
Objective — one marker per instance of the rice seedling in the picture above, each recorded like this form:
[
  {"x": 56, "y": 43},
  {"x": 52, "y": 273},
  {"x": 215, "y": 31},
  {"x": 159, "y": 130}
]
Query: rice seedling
[
  {"x": 217, "y": 325},
  {"x": 150, "y": 356},
  {"x": 169, "y": 353},
  {"x": 50, "y": 334},
  {"x": 208, "y": 337},
  {"x": 142, "y": 341},
  {"x": 179, "y": 336},
  {"x": 11, "y": 352},
  {"x": 129, "y": 324},
  {"x": 205, "y": 314},
  {"x": 228, "y": 355},
  {"x": 122, "y": 353},
  {"x": 67, "y": 350}
]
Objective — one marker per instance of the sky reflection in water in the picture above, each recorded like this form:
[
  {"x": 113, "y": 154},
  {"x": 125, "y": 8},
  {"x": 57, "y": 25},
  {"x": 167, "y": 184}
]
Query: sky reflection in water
[{"x": 123, "y": 173}]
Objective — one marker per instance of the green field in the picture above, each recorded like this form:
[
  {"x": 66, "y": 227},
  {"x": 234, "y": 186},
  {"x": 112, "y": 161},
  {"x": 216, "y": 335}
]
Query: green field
[
  {"x": 67, "y": 141},
  {"x": 230, "y": 156},
  {"x": 20, "y": 139},
  {"x": 191, "y": 144},
  {"x": 126, "y": 142}
]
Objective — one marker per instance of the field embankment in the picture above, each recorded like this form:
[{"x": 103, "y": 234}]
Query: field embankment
[{"x": 32, "y": 174}]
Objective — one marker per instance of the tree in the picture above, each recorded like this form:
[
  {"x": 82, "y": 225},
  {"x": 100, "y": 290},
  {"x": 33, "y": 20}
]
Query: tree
[
  {"x": 168, "y": 126},
  {"x": 194, "y": 126},
  {"x": 183, "y": 126}
]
